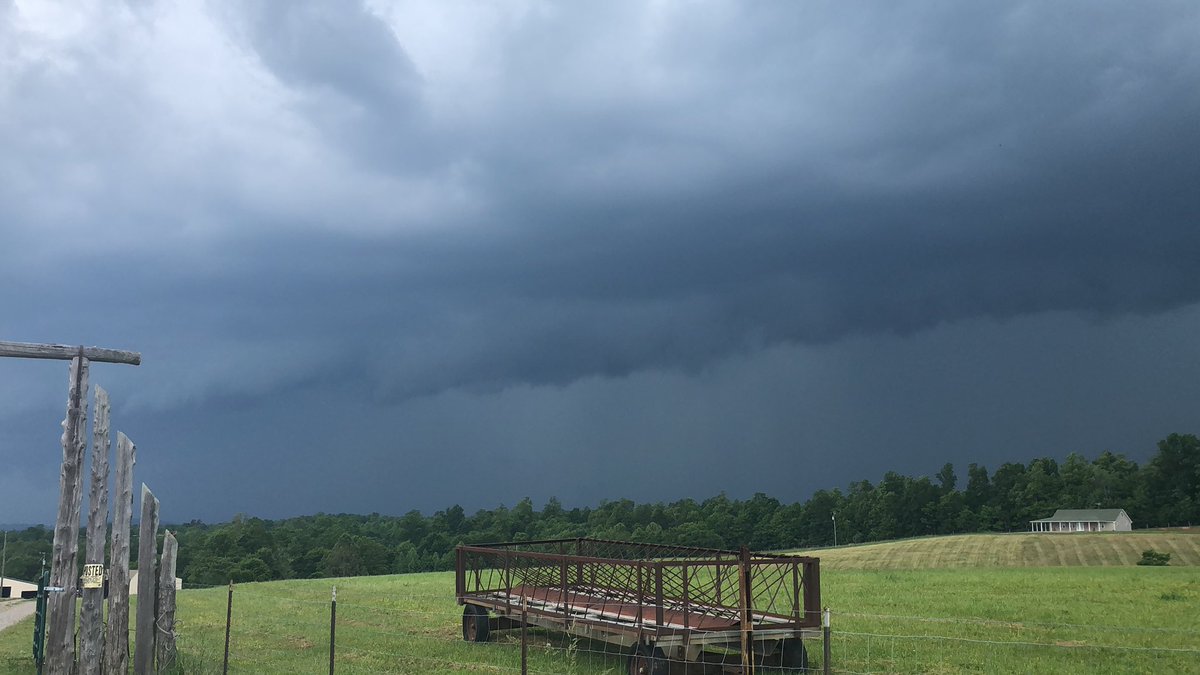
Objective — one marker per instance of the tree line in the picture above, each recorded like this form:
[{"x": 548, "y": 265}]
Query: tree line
[{"x": 1163, "y": 492}]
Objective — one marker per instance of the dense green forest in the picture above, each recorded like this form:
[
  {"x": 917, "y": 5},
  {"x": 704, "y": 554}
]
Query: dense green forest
[{"x": 1163, "y": 492}]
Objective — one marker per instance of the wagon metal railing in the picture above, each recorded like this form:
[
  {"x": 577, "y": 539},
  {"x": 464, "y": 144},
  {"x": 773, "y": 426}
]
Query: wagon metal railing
[{"x": 633, "y": 593}]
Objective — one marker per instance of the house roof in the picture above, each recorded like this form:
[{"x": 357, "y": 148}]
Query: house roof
[{"x": 1084, "y": 515}]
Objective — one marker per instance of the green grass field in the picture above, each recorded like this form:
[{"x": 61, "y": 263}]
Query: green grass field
[{"x": 948, "y": 604}]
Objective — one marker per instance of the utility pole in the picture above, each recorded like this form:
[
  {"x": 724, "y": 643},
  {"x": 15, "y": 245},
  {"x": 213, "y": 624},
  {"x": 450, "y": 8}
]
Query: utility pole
[
  {"x": 3, "y": 563},
  {"x": 835, "y": 528}
]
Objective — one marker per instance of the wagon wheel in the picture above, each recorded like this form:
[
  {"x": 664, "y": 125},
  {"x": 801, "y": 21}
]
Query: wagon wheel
[
  {"x": 795, "y": 656},
  {"x": 646, "y": 660},
  {"x": 475, "y": 623}
]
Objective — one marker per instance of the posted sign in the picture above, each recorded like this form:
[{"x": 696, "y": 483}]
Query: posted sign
[{"x": 93, "y": 576}]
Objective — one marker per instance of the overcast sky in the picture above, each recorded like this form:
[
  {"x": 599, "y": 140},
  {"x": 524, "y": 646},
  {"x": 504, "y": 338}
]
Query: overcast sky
[{"x": 398, "y": 255}]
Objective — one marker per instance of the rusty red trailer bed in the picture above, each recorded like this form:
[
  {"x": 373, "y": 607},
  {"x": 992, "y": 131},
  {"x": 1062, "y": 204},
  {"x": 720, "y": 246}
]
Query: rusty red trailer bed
[
  {"x": 660, "y": 600},
  {"x": 623, "y": 610}
]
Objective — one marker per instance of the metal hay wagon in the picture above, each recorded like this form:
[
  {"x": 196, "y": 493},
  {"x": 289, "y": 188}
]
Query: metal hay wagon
[{"x": 659, "y": 603}]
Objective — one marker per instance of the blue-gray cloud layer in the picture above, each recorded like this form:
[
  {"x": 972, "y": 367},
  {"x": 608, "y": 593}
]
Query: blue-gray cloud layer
[{"x": 443, "y": 209}]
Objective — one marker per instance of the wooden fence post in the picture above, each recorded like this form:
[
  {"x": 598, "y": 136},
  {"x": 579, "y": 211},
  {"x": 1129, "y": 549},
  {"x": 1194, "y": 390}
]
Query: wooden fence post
[
  {"x": 116, "y": 639},
  {"x": 143, "y": 647},
  {"x": 91, "y": 619},
  {"x": 166, "y": 604},
  {"x": 746, "y": 597},
  {"x": 61, "y": 632}
]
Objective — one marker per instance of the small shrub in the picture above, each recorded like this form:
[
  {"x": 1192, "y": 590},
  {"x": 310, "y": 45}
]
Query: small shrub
[{"x": 1154, "y": 558}]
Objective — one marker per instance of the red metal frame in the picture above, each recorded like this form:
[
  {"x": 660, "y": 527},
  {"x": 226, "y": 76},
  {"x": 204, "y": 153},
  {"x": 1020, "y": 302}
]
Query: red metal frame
[{"x": 634, "y": 593}]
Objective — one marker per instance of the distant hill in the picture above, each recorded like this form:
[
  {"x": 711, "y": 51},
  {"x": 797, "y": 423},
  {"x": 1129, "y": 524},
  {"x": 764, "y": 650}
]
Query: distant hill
[{"x": 1015, "y": 550}]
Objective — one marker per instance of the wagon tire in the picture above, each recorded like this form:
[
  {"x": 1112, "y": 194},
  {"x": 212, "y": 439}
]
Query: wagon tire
[
  {"x": 475, "y": 623},
  {"x": 795, "y": 656},
  {"x": 646, "y": 660}
]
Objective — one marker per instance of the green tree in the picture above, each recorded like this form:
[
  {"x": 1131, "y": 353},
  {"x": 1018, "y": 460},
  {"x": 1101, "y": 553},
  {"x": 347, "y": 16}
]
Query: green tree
[
  {"x": 1173, "y": 481},
  {"x": 1080, "y": 487},
  {"x": 1119, "y": 482},
  {"x": 1008, "y": 495},
  {"x": 979, "y": 488},
  {"x": 946, "y": 478},
  {"x": 1041, "y": 494}
]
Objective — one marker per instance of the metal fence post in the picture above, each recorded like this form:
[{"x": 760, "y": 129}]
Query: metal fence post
[
  {"x": 228, "y": 621},
  {"x": 524, "y": 639},
  {"x": 39, "y": 624},
  {"x": 826, "y": 647},
  {"x": 332, "y": 627}
]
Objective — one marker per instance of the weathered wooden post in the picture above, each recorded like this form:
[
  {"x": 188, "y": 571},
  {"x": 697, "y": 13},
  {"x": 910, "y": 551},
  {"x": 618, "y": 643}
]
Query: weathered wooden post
[
  {"x": 61, "y": 638},
  {"x": 166, "y": 604},
  {"x": 29, "y": 350},
  {"x": 116, "y": 638},
  {"x": 143, "y": 648},
  {"x": 91, "y": 619},
  {"x": 746, "y": 593}
]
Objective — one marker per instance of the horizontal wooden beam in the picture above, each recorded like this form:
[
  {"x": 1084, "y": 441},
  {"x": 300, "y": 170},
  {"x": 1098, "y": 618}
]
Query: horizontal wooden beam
[{"x": 27, "y": 350}]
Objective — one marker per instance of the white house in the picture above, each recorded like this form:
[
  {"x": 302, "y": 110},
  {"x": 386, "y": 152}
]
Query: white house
[
  {"x": 1084, "y": 520},
  {"x": 13, "y": 588},
  {"x": 133, "y": 579}
]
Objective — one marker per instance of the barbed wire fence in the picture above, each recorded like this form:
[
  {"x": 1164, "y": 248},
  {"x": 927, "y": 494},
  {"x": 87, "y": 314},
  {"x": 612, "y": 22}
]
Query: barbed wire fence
[{"x": 272, "y": 631}]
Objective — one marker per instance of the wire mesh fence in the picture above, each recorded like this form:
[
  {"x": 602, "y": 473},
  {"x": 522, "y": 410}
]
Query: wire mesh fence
[{"x": 282, "y": 629}]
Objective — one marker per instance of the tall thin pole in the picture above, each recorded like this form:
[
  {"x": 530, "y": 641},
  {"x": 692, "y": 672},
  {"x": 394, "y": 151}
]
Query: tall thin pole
[
  {"x": 524, "y": 639},
  {"x": 165, "y": 625},
  {"x": 39, "y": 626},
  {"x": 746, "y": 618},
  {"x": 826, "y": 648},
  {"x": 143, "y": 645},
  {"x": 116, "y": 642},
  {"x": 332, "y": 628},
  {"x": 228, "y": 621},
  {"x": 60, "y": 632},
  {"x": 91, "y": 616},
  {"x": 3, "y": 562},
  {"x": 835, "y": 528}
]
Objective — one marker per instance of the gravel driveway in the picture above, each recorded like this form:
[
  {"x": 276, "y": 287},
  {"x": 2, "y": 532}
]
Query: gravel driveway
[{"x": 14, "y": 611}]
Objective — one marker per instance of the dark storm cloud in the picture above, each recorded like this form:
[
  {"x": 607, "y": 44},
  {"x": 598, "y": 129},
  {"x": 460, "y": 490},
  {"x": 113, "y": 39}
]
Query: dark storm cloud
[
  {"x": 984, "y": 168},
  {"x": 417, "y": 206}
]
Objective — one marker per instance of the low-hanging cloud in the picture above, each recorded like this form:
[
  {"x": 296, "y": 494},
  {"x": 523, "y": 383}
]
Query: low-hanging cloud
[
  {"x": 638, "y": 188},
  {"x": 416, "y": 202}
]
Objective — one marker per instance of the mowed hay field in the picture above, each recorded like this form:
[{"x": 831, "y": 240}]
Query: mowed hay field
[
  {"x": 1108, "y": 549},
  {"x": 1020, "y": 602},
  {"x": 935, "y": 613}
]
